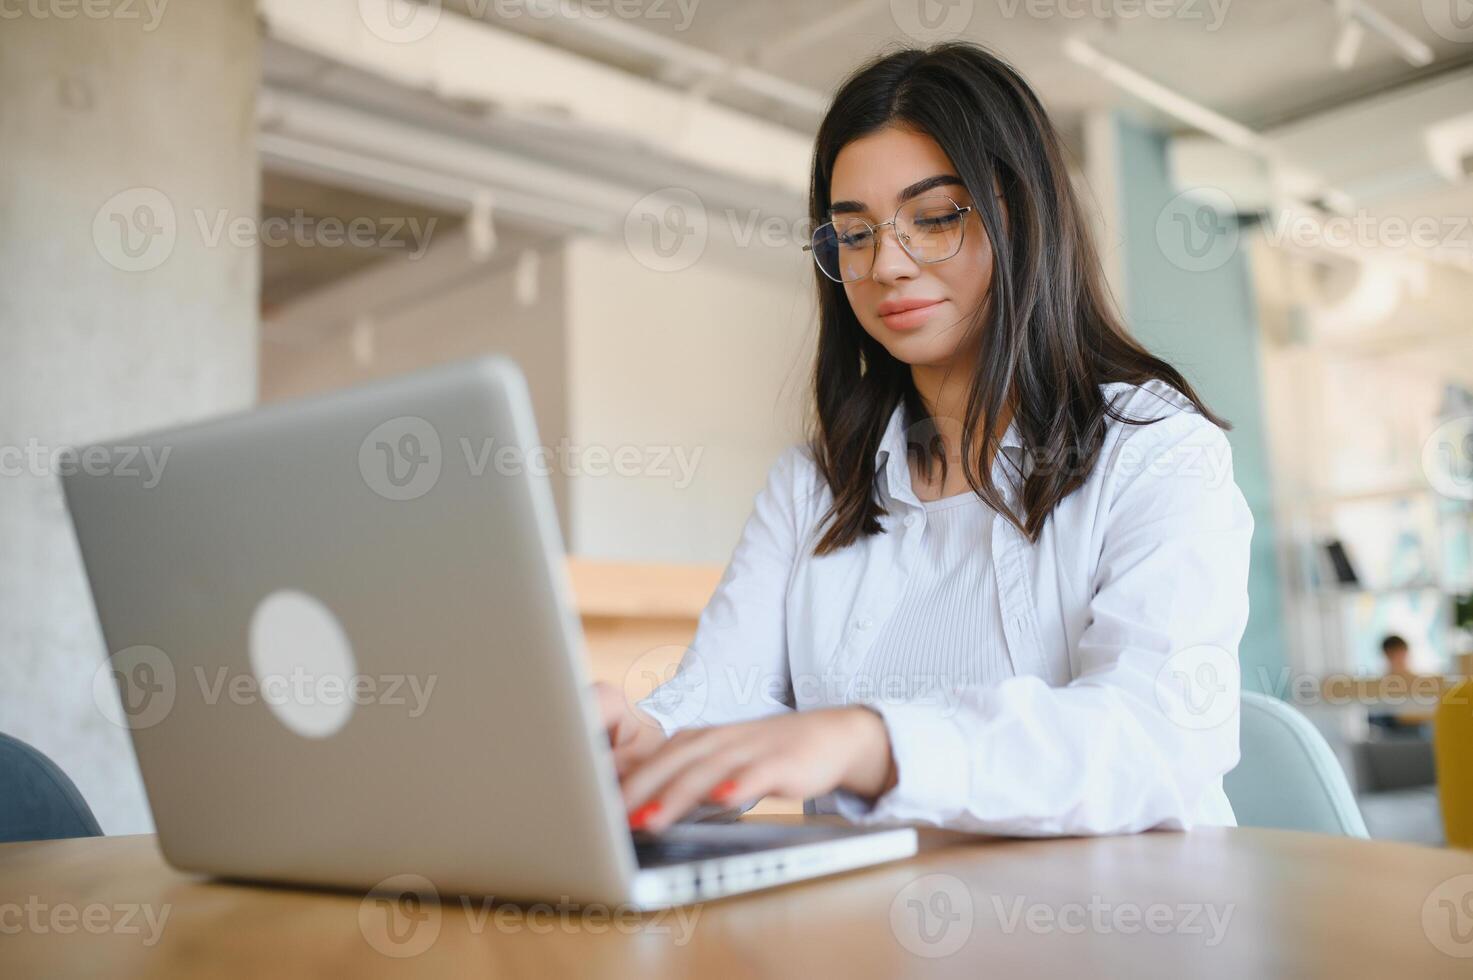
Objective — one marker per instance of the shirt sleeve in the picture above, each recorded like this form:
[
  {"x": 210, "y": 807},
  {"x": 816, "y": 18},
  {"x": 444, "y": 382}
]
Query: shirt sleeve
[
  {"x": 736, "y": 668},
  {"x": 1149, "y": 724}
]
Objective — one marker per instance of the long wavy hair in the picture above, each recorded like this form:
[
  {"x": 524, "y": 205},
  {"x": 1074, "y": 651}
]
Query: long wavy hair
[{"x": 1049, "y": 335}]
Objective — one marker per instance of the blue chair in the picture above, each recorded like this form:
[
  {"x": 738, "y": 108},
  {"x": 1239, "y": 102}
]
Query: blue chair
[
  {"x": 37, "y": 800},
  {"x": 1287, "y": 776}
]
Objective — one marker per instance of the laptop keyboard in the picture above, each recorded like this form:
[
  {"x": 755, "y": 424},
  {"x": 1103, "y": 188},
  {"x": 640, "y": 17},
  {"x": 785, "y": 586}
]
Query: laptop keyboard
[
  {"x": 684, "y": 843},
  {"x": 654, "y": 852}
]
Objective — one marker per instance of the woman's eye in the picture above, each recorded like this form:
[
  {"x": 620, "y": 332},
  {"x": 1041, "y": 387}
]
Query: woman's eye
[
  {"x": 854, "y": 239},
  {"x": 934, "y": 221}
]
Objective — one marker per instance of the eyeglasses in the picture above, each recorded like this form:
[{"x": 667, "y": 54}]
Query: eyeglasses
[{"x": 930, "y": 229}]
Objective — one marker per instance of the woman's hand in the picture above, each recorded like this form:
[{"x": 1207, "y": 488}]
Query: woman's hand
[
  {"x": 795, "y": 755},
  {"x": 633, "y": 735}
]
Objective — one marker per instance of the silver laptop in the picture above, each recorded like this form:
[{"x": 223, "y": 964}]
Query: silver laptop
[{"x": 346, "y": 652}]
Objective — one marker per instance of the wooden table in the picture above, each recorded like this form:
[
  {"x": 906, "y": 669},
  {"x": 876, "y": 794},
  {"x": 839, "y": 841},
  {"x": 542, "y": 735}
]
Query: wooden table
[{"x": 1212, "y": 902}]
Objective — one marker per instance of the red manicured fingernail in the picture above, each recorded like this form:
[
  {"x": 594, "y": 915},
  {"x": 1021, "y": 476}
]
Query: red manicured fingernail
[
  {"x": 641, "y": 816},
  {"x": 722, "y": 790}
]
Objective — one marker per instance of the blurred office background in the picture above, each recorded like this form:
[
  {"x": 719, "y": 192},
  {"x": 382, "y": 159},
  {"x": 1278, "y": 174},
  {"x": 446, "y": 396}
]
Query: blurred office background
[{"x": 215, "y": 204}]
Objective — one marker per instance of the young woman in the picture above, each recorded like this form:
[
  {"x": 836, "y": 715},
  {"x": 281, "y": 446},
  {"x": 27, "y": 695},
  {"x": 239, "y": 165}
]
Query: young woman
[{"x": 1002, "y": 587}]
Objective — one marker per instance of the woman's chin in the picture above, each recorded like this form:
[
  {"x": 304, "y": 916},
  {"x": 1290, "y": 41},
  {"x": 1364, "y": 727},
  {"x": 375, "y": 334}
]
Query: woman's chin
[{"x": 919, "y": 350}]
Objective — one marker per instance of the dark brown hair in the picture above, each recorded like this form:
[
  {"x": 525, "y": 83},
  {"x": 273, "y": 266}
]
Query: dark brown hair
[{"x": 1049, "y": 336}]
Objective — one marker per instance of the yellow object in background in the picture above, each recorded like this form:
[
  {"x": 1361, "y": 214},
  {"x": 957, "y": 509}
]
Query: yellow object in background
[{"x": 1452, "y": 743}]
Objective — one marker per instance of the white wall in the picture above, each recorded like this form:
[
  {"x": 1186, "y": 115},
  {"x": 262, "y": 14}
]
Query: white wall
[
  {"x": 696, "y": 375},
  {"x": 409, "y": 314},
  {"x": 162, "y": 113},
  {"x": 708, "y": 363}
]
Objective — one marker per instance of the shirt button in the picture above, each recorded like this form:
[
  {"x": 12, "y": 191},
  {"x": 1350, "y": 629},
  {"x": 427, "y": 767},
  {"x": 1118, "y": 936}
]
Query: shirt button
[
  {"x": 910, "y": 520},
  {"x": 865, "y": 623}
]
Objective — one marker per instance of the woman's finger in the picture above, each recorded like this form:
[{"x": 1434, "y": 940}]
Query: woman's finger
[
  {"x": 692, "y": 785},
  {"x": 660, "y": 766},
  {"x": 746, "y": 783},
  {"x": 627, "y": 758}
]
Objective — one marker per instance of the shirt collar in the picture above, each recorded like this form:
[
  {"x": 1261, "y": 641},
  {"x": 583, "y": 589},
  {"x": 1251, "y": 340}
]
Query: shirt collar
[{"x": 890, "y": 458}]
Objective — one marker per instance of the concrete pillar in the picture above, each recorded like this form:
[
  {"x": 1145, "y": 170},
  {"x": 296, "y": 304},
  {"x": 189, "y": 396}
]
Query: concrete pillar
[{"x": 126, "y": 143}]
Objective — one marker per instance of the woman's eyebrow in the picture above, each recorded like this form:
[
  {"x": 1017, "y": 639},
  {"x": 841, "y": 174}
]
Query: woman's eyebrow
[{"x": 919, "y": 187}]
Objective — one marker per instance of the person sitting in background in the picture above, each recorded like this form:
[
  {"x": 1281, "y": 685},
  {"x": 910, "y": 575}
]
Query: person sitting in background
[{"x": 1398, "y": 655}]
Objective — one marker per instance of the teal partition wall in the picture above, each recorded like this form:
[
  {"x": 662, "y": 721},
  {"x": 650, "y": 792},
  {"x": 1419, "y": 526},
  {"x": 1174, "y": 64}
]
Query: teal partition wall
[{"x": 1189, "y": 298}]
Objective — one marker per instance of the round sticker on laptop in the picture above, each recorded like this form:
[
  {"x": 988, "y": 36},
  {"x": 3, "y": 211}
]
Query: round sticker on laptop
[{"x": 303, "y": 663}]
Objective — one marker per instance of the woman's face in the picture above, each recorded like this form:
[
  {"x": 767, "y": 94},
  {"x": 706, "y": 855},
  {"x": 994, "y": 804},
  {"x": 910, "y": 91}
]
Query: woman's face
[{"x": 870, "y": 180}]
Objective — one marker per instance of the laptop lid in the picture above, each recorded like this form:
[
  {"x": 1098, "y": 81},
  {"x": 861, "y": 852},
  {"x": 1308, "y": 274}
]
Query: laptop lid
[{"x": 343, "y": 635}]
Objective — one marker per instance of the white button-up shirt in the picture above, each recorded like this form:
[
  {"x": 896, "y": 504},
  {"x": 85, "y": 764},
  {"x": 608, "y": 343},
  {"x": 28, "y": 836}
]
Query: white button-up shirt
[{"x": 1122, "y": 623}]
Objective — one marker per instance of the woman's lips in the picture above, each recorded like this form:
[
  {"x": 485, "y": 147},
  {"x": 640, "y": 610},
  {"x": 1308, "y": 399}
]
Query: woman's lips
[{"x": 911, "y": 318}]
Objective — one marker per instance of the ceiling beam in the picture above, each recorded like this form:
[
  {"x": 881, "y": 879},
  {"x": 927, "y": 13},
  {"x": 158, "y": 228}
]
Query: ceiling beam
[{"x": 470, "y": 63}]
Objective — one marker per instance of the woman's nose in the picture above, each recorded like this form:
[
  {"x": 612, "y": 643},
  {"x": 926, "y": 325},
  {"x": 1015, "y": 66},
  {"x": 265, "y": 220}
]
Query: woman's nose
[{"x": 892, "y": 262}]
